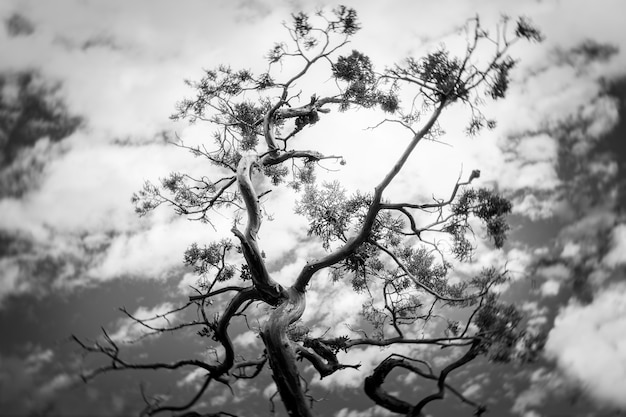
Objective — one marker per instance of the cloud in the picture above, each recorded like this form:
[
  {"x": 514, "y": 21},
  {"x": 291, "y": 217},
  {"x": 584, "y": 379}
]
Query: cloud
[
  {"x": 555, "y": 275},
  {"x": 58, "y": 382},
  {"x": 9, "y": 278},
  {"x": 129, "y": 330},
  {"x": 588, "y": 342},
  {"x": 122, "y": 69},
  {"x": 192, "y": 378},
  {"x": 152, "y": 253},
  {"x": 332, "y": 306},
  {"x": 550, "y": 288},
  {"x": 370, "y": 412},
  {"x": 543, "y": 384},
  {"x": 29, "y": 384},
  {"x": 247, "y": 339},
  {"x": 123, "y": 50},
  {"x": 89, "y": 223},
  {"x": 617, "y": 253},
  {"x": 473, "y": 390}
]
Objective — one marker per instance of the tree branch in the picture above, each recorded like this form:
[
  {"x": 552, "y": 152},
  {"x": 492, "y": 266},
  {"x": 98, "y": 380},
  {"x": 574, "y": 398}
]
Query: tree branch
[
  {"x": 269, "y": 289},
  {"x": 361, "y": 236}
]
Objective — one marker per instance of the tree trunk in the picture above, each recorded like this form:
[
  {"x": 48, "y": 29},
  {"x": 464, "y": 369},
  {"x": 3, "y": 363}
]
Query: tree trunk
[{"x": 281, "y": 356}]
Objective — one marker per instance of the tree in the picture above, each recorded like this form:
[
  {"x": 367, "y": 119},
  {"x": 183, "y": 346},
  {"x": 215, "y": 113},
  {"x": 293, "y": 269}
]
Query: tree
[{"x": 382, "y": 248}]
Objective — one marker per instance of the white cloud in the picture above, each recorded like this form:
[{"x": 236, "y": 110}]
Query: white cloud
[
  {"x": 543, "y": 385},
  {"x": 58, "y": 382},
  {"x": 9, "y": 278},
  {"x": 474, "y": 390},
  {"x": 269, "y": 390},
  {"x": 192, "y": 378},
  {"x": 589, "y": 344},
  {"x": 617, "y": 253},
  {"x": 537, "y": 148},
  {"x": 129, "y": 330},
  {"x": 550, "y": 288},
  {"x": 570, "y": 250},
  {"x": 558, "y": 272},
  {"x": 37, "y": 359},
  {"x": 515, "y": 261},
  {"x": 537, "y": 207},
  {"x": 605, "y": 169},
  {"x": 368, "y": 357},
  {"x": 332, "y": 306},
  {"x": 370, "y": 412},
  {"x": 188, "y": 280},
  {"x": 151, "y": 253},
  {"x": 247, "y": 339}
]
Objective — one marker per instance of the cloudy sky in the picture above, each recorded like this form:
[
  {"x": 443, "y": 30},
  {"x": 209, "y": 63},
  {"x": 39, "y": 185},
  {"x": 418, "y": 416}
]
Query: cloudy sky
[{"x": 87, "y": 88}]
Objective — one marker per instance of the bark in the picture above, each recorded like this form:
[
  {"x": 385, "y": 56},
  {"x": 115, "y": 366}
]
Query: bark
[
  {"x": 269, "y": 289},
  {"x": 281, "y": 355},
  {"x": 470, "y": 355}
]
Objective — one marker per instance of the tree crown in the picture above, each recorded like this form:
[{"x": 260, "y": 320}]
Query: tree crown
[{"x": 403, "y": 264}]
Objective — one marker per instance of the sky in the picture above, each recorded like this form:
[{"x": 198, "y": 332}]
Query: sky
[{"x": 73, "y": 251}]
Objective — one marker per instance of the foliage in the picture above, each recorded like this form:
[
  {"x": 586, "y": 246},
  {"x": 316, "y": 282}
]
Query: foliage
[{"x": 399, "y": 256}]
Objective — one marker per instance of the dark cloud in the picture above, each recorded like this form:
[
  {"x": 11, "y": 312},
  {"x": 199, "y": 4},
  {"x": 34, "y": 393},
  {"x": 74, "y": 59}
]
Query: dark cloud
[
  {"x": 31, "y": 109},
  {"x": 589, "y": 51},
  {"x": 32, "y": 119},
  {"x": 18, "y": 25}
]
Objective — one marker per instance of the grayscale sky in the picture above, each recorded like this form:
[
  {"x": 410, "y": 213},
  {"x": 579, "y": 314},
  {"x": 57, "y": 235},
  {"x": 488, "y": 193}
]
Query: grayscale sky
[{"x": 72, "y": 250}]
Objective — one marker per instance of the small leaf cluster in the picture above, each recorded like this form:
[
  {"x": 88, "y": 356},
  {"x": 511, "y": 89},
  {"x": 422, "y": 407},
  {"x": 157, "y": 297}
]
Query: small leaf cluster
[
  {"x": 497, "y": 323},
  {"x": 205, "y": 258},
  {"x": 303, "y": 175},
  {"x": 526, "y": 30},
  {"x": 276, "y": 173},
  {"x": 337, "y": 344},
  {"x": 362, "y": 263},
  {"x": 420, "y": 262},
  {"x": 357, "y": 71},
  {"x": 330, "y": 212},
  {"x": 246, "y": 116},
  {"x": 441, "y": 72},
  {"x": 376, "y": 317},
  {"x": 302, "y": 30},
  {"x": 347, "y": 22},
  {"x": 145, "y": 199},
  {"x": 477, "y": 123},
  {"x": 221, "y": 83},
  {"x": 185, "y": 194},
  {"x": 485, "y": 205},
  {"x": 500, "y": 80},
  {"x": 297, "y": 332}
]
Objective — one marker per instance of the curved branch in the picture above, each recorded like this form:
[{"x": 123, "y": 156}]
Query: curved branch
[
  {"x": 417, "y": 282},
  {"x": 322, "y": 358},
  {"x": 475, "y": 174},
  {"x": 441, "y": 381},
  {"x": 214, "y": 371},
  {"x": 213, "y": 293},
  {"x": 281, "y": 356},
  {"x": 150, "y": 411},
  {"x": 353, "y": 243},
  {"x": 373, "y": 384},
  {"x": 310, "y": 155},
  {"x": 440, "y": 341},
  {"x": 269, "y": 289}
]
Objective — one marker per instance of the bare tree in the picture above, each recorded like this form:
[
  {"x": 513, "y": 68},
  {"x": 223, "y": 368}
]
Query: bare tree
[{"x": 383, "y": 248}]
